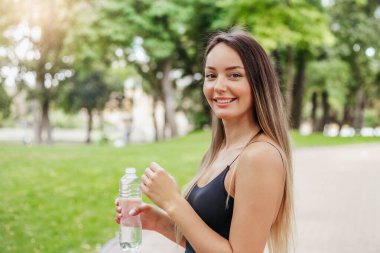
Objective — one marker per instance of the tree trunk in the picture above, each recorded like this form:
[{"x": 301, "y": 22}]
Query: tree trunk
[
  {"x": 326, "y": 111},
  {"x": 346, "y": 116},
  {"x": 37, "y": 122},
  {"x": 42, "y": 123},
  {"x": 89, "y": 125},
  {"x": 103, "y": 136},
  {"x": 166, "y": 130},
  {"x": 289, "y": 86},
  {"x": 279, "y": 70},
  {"x": 169, "y": 99},
  {"x": 314, "y": 107},
  {"x": 359, "y": 110},
  {"x": 154, "y": 117},
  {"x": 298, "y": 90},
  {"x": 38, "y": 108},
  {"x": 46, "y": 122},
  {"x": 358, "y": 93}
]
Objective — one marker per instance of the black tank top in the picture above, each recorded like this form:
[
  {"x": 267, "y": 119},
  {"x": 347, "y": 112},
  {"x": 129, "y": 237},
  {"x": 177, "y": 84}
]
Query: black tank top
[{"x": 209, "y": 202}]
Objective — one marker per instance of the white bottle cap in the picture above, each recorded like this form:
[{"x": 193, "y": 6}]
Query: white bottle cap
[{"x": 130, "y": 170}]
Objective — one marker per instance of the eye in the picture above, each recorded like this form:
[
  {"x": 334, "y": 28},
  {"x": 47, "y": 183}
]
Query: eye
[
  {"x": 235, "y": 75},
  {"x": 210, "y": 76}
]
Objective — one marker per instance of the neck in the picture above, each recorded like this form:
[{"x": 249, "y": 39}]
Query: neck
[{"x": 239, "y": 132}]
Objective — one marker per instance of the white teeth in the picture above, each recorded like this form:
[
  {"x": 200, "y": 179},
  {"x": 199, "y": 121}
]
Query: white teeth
[{"x": 224, "y": 101}]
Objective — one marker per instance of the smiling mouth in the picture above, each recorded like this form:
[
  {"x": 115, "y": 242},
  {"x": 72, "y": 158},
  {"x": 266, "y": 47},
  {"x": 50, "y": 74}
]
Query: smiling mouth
[{"x": 224, "y": 101}]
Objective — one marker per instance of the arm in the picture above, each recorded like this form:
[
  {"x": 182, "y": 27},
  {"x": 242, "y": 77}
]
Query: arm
[
  {"x": 201, "y": 237},
  {"x": 258, "y": 192},
  {"x": 152, "y": 218},
  {"x": 161, "y": 224},
  {"x": 259, "y": 188}
]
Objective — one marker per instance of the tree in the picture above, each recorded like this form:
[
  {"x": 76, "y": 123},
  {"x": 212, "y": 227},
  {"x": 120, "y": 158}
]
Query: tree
[
  {"x": 153, "y": 30},
  {"x": 284, "y": 29},
  {"x": 95, "y": 78},
  {"x": 87, "y": 92},
  {"x": 358, "y": 44},
  {"x": 43, "y": 25},
  {"x": 5, "y": 103},
  {"x": 327, "y": 85},
  {"x": 205, "y": 20}
]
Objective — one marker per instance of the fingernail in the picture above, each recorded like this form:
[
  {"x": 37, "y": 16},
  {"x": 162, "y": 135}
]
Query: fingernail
[{"x": 132, "y": 212}]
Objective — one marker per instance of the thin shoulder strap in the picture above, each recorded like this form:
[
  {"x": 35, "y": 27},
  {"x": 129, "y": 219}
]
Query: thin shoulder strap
[
  {"x": 282, "y": 159},
  {"x": 234, "y": 160},
  {"x": 250, "y": 141}
]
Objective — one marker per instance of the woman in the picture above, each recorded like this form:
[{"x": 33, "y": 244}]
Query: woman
[{"x": 241, "y": 198}]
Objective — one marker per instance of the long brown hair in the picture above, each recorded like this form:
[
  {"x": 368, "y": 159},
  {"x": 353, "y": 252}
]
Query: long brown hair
[{"x": 268, "y": 111}]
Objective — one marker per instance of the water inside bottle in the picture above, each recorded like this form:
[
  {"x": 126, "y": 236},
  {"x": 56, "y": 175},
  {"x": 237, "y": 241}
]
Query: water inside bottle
[
  {"x": 130, "y": 226},
  {"x": 130, "y": 238}
]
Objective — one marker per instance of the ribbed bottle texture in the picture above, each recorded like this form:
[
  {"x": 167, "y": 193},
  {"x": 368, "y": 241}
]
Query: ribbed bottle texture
[{"x": 130, "y": 197}]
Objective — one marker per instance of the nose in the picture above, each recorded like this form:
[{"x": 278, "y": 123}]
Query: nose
[{"x": 220, "y": 85}]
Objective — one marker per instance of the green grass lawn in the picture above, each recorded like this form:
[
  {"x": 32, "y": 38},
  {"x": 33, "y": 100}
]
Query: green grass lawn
[
  {"x": 59, "y": 199},
  {"x": 319, "y": 139}
]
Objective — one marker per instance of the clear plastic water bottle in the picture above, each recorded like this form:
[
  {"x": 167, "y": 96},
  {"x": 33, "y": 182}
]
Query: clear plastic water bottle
[{"x": 130, "y": 197}]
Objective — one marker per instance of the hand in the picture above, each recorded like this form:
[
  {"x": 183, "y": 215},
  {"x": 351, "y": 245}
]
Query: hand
[
  {"x": 160, "y": 187},
  {"x": 149, "y": 215}
]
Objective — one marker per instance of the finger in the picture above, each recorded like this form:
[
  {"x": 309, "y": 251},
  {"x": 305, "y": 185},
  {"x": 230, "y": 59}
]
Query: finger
[
  {"x": 117, "y": 219},
  {"x": 155, "y": 167},
  {"x": 149, "y": 172},
  {"x": 139, "y": 209},
  {"x": 134, "y": 211},
  {"x": 117, "y": 201},
  {"x": 144, "y": 188},
  {"x": 145, "y": 180},
  {"x": 118, "y": 209}
]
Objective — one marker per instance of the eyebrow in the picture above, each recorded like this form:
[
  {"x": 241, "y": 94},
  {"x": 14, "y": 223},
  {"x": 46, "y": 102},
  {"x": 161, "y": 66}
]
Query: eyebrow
[{"x": 228, "y": 68}]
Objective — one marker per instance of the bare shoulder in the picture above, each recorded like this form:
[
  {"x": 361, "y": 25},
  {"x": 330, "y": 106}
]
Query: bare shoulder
[
  {"x": 263, "y": 157},
  {"x": 259, "y": 190}
]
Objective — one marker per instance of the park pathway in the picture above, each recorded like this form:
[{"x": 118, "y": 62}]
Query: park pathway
[{"x": 337, "y": 198}]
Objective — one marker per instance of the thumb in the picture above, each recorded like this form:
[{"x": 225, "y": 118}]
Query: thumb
[{"x": 138, "y": 209}]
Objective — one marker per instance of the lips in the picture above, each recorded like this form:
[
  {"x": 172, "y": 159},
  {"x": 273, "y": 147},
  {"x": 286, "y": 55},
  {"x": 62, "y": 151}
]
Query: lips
[{"x": 224, "y": 100}]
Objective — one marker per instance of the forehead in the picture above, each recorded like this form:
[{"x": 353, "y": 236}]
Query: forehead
[{"x": 223, "y": 56}]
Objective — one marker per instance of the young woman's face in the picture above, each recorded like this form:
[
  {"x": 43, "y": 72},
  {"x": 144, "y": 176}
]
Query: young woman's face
[{"x": 226, "y": 87}]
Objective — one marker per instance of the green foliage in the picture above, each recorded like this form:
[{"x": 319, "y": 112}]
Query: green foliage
[
  {"x": 84, "y": 36},
  {"x": 158, "y": 23},
  {"x": 194, "y": 110},
  {"x": 5, "y": 104},
  {"x": 355, "y": 34},
  {"x": 280, "y": 23},
  {"x": 331, "y": 75},
  {"x": 371, "y": 118},
  {"x": 88, "y": 92}
]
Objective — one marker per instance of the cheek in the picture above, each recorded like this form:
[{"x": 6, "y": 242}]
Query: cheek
[{"x": 208, "y": 91}]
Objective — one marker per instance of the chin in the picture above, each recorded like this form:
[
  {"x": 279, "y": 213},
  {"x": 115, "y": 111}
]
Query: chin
[
  {"x": 229, "y": 115},
  {"x": 224, "y": 116}
]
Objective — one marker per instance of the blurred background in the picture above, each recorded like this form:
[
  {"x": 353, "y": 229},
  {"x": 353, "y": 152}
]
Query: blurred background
[
  {"x": 130, "y": 71},
  {"x": 126, "y": 75}
]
